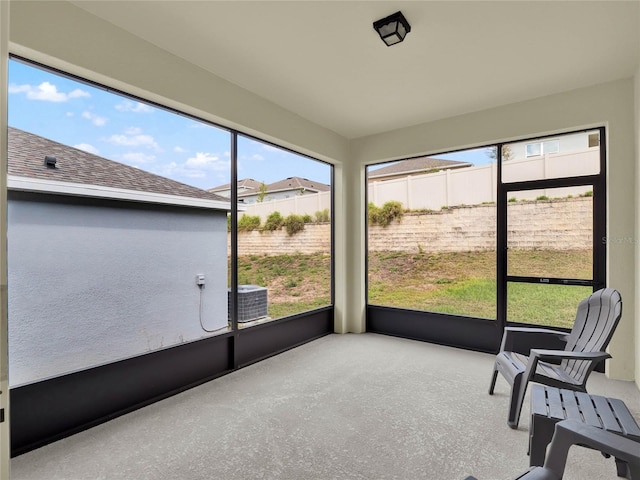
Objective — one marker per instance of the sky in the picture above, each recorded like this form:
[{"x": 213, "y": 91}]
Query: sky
[
  {"x": 143, "y": 136},
  {"x": 119, "y": 128}
]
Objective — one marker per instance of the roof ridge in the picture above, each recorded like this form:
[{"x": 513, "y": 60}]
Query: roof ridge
[{"x": 26, "y": 154}]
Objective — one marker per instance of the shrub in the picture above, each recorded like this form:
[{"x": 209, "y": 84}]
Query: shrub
[
  {"x": 542, "y": 197},
  {"x": 322, "y": 216},
  {"x": 383, "y": 216},
  {"x": 373, "y": 213},
  {"x": 587, "y": 194},
  {"x": 294, "y": 223},
  {"x": 513, "y": 199},
  {"x": 306, "y": 218},
  {"x": 274, "y": 221},
  {"x": 391, "y": 211},
  {"x": 248, "y": 223}
]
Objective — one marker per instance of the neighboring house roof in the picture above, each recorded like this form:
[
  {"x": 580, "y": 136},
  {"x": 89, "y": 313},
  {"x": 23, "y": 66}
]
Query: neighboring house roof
[
  {"x": 414, "y": 166},
  {"x": 76, "y": 168},
  {"x": 297, "y": 183},
  {"x": 292, "y": 183},
  {"x": 248, "y": 183}
]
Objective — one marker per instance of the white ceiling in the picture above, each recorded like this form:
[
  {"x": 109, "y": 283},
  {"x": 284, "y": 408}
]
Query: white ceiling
[{"x": 323, "y": 61}]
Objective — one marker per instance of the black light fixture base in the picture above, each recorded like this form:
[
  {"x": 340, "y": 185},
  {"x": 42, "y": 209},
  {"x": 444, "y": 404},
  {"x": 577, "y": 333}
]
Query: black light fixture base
[{"x": 392, "y": 29}]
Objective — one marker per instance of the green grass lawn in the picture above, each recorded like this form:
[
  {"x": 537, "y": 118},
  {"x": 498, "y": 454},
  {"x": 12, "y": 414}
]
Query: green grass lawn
[
  {"x": 461, "y": 283},
  {"x": 464, "y": 284},
  {"x": 296, "y": 283}
]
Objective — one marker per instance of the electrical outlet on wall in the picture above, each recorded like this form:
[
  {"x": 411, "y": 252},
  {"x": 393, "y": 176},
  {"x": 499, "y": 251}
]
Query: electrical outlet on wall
[{"x": 200, "y": 280}]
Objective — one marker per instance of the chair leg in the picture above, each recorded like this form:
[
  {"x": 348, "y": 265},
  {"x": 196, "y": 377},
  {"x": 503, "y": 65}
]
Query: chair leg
[
  {"x": 518, "y": 390},
  {"x": 493, "y": 380}
]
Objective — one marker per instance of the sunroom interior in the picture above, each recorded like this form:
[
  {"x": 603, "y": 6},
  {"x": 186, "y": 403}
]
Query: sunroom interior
[{"x": 315, "y": 78}]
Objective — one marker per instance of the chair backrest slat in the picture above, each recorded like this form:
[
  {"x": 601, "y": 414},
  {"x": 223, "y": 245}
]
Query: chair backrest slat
[{"x": 596, "y": 320}]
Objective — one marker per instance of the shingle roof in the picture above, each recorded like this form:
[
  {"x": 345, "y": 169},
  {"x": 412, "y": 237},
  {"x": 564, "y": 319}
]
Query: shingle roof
[
  {"x": 415, "y": 166},
  {"x": 248, "y": 183},
  {"x": 26, "y": 159},
  {"x": 294, "y": 183}
]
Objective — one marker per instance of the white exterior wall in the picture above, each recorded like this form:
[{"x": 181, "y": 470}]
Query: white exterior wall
[
  {"x": 90, "y": 284},
  {"x": 567, "y": 144},
  {"x": 5, "y": 434},
  {"x": 637, "y": 224}
]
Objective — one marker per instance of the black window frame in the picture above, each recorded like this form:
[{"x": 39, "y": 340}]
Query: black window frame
[{"x": 485, "y": 334}]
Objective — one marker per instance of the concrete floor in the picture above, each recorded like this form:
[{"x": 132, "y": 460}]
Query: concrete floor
[{"x": 350, "y": 406}]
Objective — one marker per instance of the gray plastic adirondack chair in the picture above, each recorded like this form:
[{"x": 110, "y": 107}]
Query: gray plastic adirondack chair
[
  {"x": 596, "y": 320},
  {"x": 568, "y": 433}
]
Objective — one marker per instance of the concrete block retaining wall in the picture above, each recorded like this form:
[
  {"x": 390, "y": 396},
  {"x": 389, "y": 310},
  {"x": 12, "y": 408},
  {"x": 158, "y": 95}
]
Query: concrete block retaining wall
[
  {"x": 562, "y": 224},
  {"x": 316, "y": 237}
]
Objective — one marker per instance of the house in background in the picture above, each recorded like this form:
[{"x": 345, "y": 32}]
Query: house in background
[
  {"x": 249, "y": 190},
  {"x": 103, "y": 260},
  {"x": 561, "y": 144},
  {"x": 245, "y": 186},
  {"x": 413, "y": 166}
]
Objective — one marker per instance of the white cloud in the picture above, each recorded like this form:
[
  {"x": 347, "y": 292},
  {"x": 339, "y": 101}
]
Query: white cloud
[
  {"x": 174, "y": 170},
  {"x": 135, "y": 107},
  {"x": 87, "y": 148},
  {"x": 97, "y": 120},
  {"x": 19, "y": 88},
  {"x": 179, "y": 149},
  {"x": 47, "y": 92},
  {"x": 134, "y": 140},
  {"x": 133, "y": 131},
  {"x": 201, "y": 166},
  {"x": 257, "y": 156},
  {"x": 138, "y": 157},
  {"x": 206, "y": 161},
  {"x": 77, "y": 93}
]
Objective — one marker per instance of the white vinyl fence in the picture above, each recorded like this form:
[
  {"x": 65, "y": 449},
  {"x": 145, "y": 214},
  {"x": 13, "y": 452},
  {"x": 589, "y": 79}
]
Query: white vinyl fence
[
  {"x": 448, "y": 188},
  {"x": 300, "y": 205},
  {"x": 477, "y": 185}
]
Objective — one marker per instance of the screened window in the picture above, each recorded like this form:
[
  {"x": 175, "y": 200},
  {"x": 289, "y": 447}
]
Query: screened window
[
  {"x": 284, "y": 233},
  {"x": 131, "y": 249},
  {"x": 513, "y": 239},
  {"x": 431, "y": 234}
]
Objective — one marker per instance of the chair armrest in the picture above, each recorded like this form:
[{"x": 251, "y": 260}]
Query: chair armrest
[
  {"x": 523, "y": 339},
  {"x": 570, "y": 432},
  {"x": 547, "y": 355}
]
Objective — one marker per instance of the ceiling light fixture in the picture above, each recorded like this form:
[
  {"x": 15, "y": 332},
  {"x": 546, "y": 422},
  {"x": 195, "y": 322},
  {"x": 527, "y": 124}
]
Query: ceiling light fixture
[{"x": 392, "y": 29}]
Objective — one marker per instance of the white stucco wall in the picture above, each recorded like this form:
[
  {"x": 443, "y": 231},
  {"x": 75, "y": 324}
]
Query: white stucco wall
[
  {"x": 637, "y": 229},
  {"x": 5, "y": 436},
  {"x": 94, "y": 284}
]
